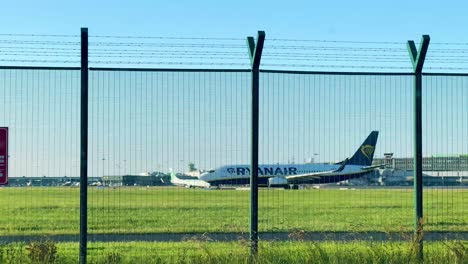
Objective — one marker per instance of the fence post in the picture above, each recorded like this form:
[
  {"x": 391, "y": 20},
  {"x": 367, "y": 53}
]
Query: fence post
[
  {"x": 84, "y": 146},
  {"x": 417, "y": 58},
  {"x": 255, "y": 52}
]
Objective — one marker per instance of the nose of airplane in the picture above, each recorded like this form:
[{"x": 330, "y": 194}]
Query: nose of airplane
[{"x": 203, "y": 176}]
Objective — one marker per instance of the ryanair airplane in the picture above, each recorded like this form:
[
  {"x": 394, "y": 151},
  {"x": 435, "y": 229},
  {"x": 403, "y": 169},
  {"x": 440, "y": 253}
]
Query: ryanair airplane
[
  {"x": 282, "y": 175},
  {"x": 188, "y": 181}
]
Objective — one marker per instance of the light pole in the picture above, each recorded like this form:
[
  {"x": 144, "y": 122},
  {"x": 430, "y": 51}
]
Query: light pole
[{"x": 103, "y": 159}]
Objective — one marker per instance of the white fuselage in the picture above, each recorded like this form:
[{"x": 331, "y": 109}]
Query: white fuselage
[
  {"x": 189, "y": 182},
  {"x": 241, "y": 173}
]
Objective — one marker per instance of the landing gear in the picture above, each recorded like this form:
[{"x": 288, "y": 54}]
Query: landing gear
[{"x": 293, "y": 187}]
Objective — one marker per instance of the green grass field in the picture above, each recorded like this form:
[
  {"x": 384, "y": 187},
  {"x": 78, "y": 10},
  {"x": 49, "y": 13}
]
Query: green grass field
[
  {"x": 55, "y": 210},
  {"x": 454, "y": 252}
]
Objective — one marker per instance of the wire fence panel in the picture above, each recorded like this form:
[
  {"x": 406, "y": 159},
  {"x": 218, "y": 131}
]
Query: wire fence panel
[
  {"x": 155, "y": 135},
  {"x": 152, "y": 134},
  {"x": 170, "y": 147},
  {"x": 41, "y": 110},
  {"x": 310, "y": 124},
  {"x": 445, "y": 170}
]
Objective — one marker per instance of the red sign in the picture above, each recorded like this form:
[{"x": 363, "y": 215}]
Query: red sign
[{"x": 3, "y": 155}]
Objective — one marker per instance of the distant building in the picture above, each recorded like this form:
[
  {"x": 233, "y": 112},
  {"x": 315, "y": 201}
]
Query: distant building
[
  {"x": 438, "y": 170},
  {"x": 155, "y": 179},
  {"x": 434, "y": 163},
  {"x": 47, "y": 181}
]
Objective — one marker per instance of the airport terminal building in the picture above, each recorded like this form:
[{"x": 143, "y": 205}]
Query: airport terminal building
[
  {"x": 433, "y": 163},
  {"x": 438, "y": 170},
  {"x": 46, "y": 181}
]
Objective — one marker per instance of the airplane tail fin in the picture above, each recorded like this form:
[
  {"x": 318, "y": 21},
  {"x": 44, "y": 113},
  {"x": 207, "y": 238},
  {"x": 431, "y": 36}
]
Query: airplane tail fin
[
  {"x": 365, "y": 154},
  {"x": 173, "y": 175}
]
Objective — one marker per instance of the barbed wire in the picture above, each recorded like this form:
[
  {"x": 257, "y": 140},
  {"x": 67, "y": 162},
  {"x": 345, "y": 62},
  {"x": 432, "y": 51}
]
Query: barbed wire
[
  {"x": 334, "y": 66},
  {"x": 139, "y": 51},
  {"x": 335, "y": 54},
  {"x": 278, "y": 52},
  {"x": 39, "y": 61},
  {"x": 168, "y": 63},
  {"x": 40, "y": 42},
  {"x": 363, "y": 42},
  {"x": 172, "y": 57},
  {"x": 450, "y": 43},
  {"x": 123, "y": 62},
  {"x": 42, "y": 55},
  {"x": 224, "y": 39},
  {"x": 449, "y": 50},
  {"x": 337, "y": 41},
  {"x": 168, "y": 45},
  {"x": 298, "y": 47},
  {"x": 445, "y": 68},
  {"x": 162, "y": 38},
  {"x": 42, "y": 50},
  {"x": 39, "y": 48},
  {"x": 310, "y": 66},
  {"x": 340, "y": 59},
  {"x": 38, "y": 35}
]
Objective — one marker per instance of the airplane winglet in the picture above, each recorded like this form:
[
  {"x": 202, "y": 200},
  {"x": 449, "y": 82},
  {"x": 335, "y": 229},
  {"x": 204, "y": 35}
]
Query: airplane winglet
[
  {"x": 372, "y": 167},
  {"x": 343, "y": 165}
]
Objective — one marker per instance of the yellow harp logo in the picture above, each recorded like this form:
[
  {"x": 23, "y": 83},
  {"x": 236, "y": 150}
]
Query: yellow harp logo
[{"x": 367, "y": 150}]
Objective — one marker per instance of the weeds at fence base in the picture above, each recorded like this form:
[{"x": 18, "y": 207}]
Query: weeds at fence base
[
  {"x": 416, "y": 248},
  {"x": 297, "y": 234},
  {"x": 13, "y": 253},
  {"x": 459, "y": 250},
  {"x": 196, "y": 251},
  {"x": 113, "y": 258},
  {"x": 42, "y": 251}
]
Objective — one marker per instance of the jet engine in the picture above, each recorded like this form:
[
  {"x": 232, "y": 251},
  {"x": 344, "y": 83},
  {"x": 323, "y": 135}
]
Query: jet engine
[{"x": 277, "y": 182}]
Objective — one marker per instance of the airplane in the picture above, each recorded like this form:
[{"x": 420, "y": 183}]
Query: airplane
[
  {"x": 187, "y": 181},
  {"x": 68, "y": 183},
  {"x": 284, "y": 175}
]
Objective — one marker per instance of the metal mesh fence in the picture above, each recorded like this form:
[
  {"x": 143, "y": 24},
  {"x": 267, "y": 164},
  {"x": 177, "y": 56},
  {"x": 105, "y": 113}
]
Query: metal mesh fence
[
  {"x": 151, "y": 135},
  {"x": 151, "y": 130},
  {"x": 41, "y": 109},
  {"x": 170, "y": 149},
  {"x": 445, "y": 120},
  {"x": 312, "y": 120}
]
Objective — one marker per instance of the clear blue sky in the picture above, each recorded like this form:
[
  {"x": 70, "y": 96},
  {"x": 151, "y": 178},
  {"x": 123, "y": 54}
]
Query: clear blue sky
[
  {"x": 333, "y": 20},
  {"x": 142, "y": 122}
]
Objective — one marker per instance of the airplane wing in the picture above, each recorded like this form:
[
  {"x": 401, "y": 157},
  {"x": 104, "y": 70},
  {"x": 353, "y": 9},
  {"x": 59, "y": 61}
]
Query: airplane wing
[
  {"x": 316, "y": 175},
  {"x": 371, "y": 167}
]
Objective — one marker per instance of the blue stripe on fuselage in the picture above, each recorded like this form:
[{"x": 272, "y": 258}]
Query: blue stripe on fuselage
[{"x": 264, "y": 180}]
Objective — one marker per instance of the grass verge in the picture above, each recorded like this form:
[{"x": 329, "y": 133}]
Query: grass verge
[
  {"x": 237, "y": 252},
  {"x": 55, "y": 210}
]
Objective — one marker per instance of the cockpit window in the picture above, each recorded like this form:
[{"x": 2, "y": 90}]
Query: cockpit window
[{"x": 211, "y": 171}]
